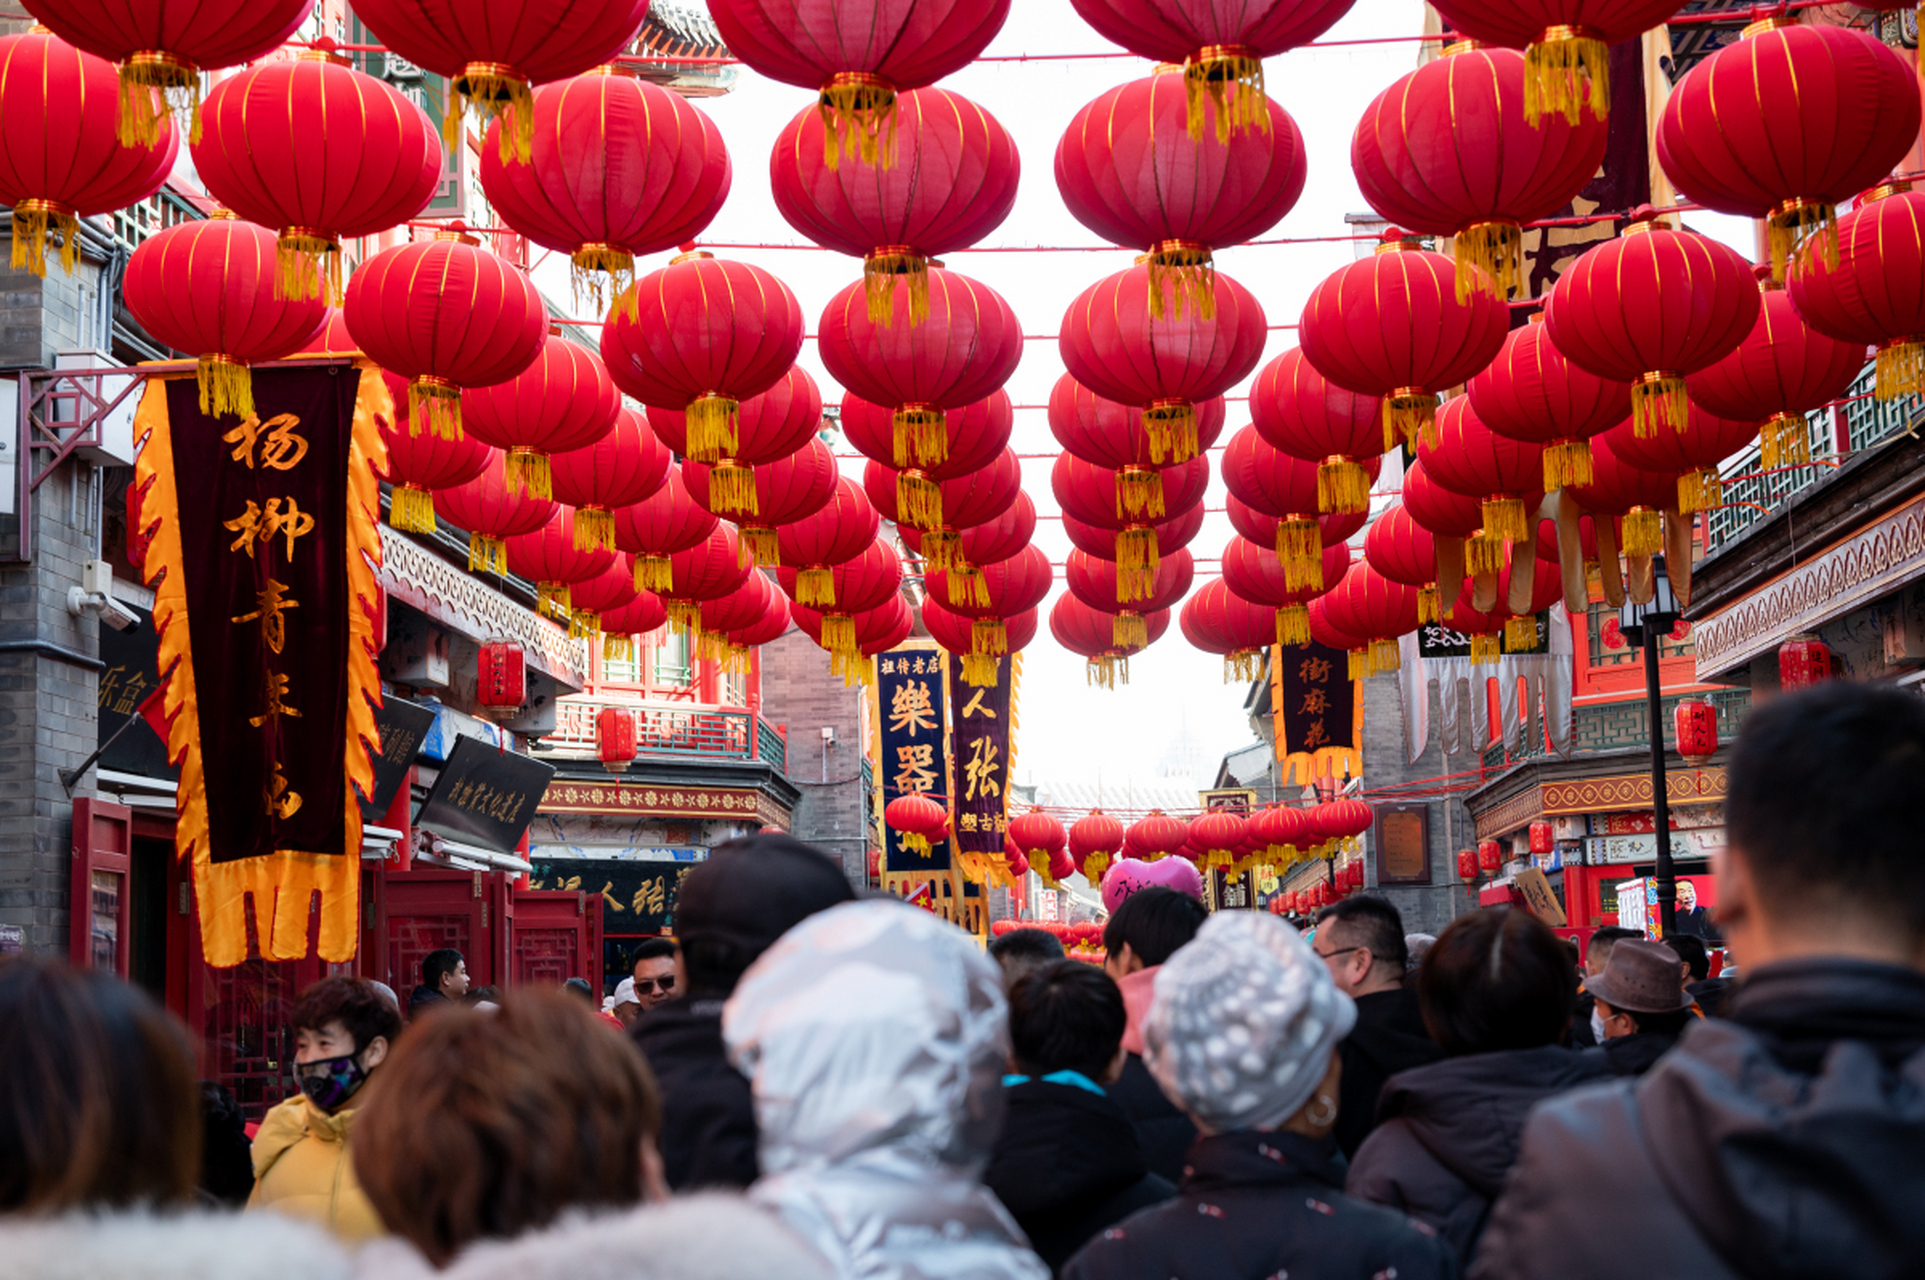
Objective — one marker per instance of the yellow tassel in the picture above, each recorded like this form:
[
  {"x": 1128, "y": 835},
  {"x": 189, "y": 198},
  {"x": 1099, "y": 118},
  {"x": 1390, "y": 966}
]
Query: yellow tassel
[
  {"x": 1094, "y": 865},
  {"x": 1214, "y": 858},
  {"x": 1520, "y": 634},
  {"x": 437, "y": 403},
  {"x": 1170, "y": 426},
  {"x": 598, "y": 272},
  {"x": 1409, "y": 414},
  {"x": 685, "y": 617},
  {"x": 858, "y": 112},
  {"x": 1137, "y": 562},
  {"x": 1129, "y": 631},
  {"x": 1359, "y": 665},
  {"x": 1184, "y": 268},
  {"x": 1231, "y": 79},
  {"x": 713, "y": 647},
  {"x": 1384, "y": 656},
  {"x": 759, "y": 544},
  {"x": 1483, "y": 648},
  {"x": 921, "y": 436},
  {"x": 1139, "y": 493},
  {"x": 942, "y": 549},
  {"x": 918, "y": 501},
  {"x": 913, "y": 841},
  {"x": 528, "y": 470},
  {"x": 1784, "y": 441},
  {"x": 1343, "y": 486},
  {"x": 838, "y": 633},
  {"x": 1430, "y": 605},
  {"x": 712, "y": 428},
  {"x": 967, "y": 586},
  {"x": 979, "y": 670},
  {"x": 551, "y": 598},
  {"x": 594, "y": 529},
  {"x": 1899, "y": 369},
  {"x": 411, "y": 510},
  {"x": 1484, "y": 554},
  {"x": 1570, "y": 70},
  {"x": 1567, "y": 462},
  {"x": 487, "y": 554},
  {"x": 226, "y": 386},
  {"x": 1293, "y": 625},
  {"x": 654, "y": 573},
  {"x": 154, "y": 85},
  {"x": 36, "y": 224},
  {"x": 1792, "y": 225},
  {"x": 1658, "y": 400},
  {"x": 617, "y": 648},
  {"x": 1699, "y": 490},
  {"x": 990, "y": 636},
  {"x": 584, "y": 624},
  {"x": 496, "y": 93},
  {"x": 1107, "y": 671},
  {"x": 1300, "y": 549},
  {"x": 880, "y": 272},
  {"x": 308, "y": 265},
  {"x": 1242, "y": 666},
  {"x": 815, "y": 587},
  {"x": 1504, "y": 518},
  {"x": 732, "y": 489},
  {"x": 1489, "y": 260},
  {"x": 1643, "y": 532}
]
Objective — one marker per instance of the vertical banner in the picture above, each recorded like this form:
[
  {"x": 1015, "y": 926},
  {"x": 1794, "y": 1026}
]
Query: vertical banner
[
  {"x": 262, "y": 556},
  {"x": 1318, "y": 712},
  {"x": 980, "y": 762},
  {"x": 912, "y": 724}
]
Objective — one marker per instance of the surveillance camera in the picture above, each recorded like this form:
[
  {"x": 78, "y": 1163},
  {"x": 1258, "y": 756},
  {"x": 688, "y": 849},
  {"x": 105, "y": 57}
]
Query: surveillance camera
[{"x": 117, "y": 615}]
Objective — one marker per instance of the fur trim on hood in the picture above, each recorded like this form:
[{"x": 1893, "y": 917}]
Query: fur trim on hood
[{"x": 196, "y": 1245}]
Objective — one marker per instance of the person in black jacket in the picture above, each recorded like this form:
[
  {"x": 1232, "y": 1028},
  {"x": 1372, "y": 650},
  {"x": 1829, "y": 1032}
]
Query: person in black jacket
[
  {"x": 444, "y": 980},
  {"x": 731, "y": 908},
  {"x": 1146, "y": 929},
  {"x": 1787, "y": 1138},
  {"x": 1242, "y": 1034},
  {"x": 1643, "y": 1005},
  {"x": 1586, "y": 1022},
  {"x": 1067, "y": 1163},
  {"x": 1496, "y": 992},
  {"x": 1361, "y": 940}
]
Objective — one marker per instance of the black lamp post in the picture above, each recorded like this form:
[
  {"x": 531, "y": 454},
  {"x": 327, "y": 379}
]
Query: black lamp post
[{"x": 1645, "y": 624}]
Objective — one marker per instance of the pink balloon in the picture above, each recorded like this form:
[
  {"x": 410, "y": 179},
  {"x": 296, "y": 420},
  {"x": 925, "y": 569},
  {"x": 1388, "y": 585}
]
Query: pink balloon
[{"x": 1128, "y": 876}]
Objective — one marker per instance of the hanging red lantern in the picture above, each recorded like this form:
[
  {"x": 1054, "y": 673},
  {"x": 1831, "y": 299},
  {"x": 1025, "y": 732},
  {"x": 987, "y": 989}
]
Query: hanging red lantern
[
  {"x": 972, "y": 499},
  {"x": 1111, "y": 344},
  {"x": 1092, "y": 634},
  {"x": 725, "y": 616},
  {"x": 1516, "y": 603},
  {"x": 1302, "y": 413},
  {"x": 872, "y": 631},
  {"x": 789, "y": 489},
  {"x": 564, "y": 400},
  {"x": 976, "y": 434},
  {"x": 767, "y": 629},
  {"x": 1483, "y": 632},
  {"x": 1803, "y": 661},
  {"x": 1219, "y": 833},
  {"x": 1875, "y": 295},
  {"x": 1154, "y": 836},
  {"x": 1403, "y": 551},
  {"x": 1252, "y": 571},
  {"x": 421, "y": 463},
  {"x": 1692, "y": 454},
  {"x": 1264, "y": 529},
  {"x": 953, "y": 182},
  {"x": 492, "y": 51},
  {"x": 1276, "y": 484},
  {"x": 1781, "y": 371},
  {"x": 1097, "y": 584},
  {"x": 956, "y": 634},
  {"x": 703, "y": 336},
  {"x": 914, "y": 818},
  {"x": 1110, "y": 434},
  {"x": 1010, "y": 587},
  {"x": 1345, "y": 821},
  {"x": 615, "y": 738},
  {"x": 1116, "y": 500},
  {"x": 769, "y": 427},
  {"x": 616, "y": 168},
  {"x": 1502, "y": 473},
  {"x": 1696, "y": 724},
  {"x": 608, "y": 592},
  {"x": 1037, "y": 834},
  {"x": 1620, "y": 489},
  {"x": 1396, "y": 325},
  {"x": 663, "y": 524},
  {"x": 976, "y": 546},
  {"x": 1277, "y": 831},
  {"x": 1093, "y": 840},
  {"x": 1367, "y": 604},
  {"x": 1215, "y": 620},
  {"x": 228, "y": 318},
  {"x": 492, "y": 513},
  {"x": 1567, "y": 62},
  {"x": 446, "y": 314},
  {"x": 644, "y": 614},
  {"x": 71, "y": 163},
  {"x": 549, "y": 558},
  {"x": 621, "y": 469},
  {"x": 1649, "y": 308},
  {"x": 1490, "y": 857},
  {"x": 842, "y": 530},
  {"x": 1786, "y": 123},
  {"x": 501, "y": 679},
  {"x": 1542, "y": 838},
  {"x": 1128, "y": 171},
  {"x": 1444, "y": 512},
  {"x": 320, "y": 152},
  {"x": 1466, "y": 864},
  {"x": 865, "y": 582},
  {"x": 1532, "y": 394},
  {"x": 709, "y": 570},
  {"x": 1136, "y": 546}
]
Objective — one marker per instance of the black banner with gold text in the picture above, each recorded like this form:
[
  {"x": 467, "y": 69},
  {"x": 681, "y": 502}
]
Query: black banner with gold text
[
  {"x": 980, "y": 754},
  {"x": 912, "y": 721}
]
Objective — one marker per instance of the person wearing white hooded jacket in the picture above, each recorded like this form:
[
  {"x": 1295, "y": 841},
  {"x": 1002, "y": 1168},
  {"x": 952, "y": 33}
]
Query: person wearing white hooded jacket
[{"x": 874, "y": 1036}]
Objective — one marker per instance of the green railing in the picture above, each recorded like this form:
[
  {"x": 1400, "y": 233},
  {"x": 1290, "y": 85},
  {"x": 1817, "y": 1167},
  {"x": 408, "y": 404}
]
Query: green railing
[{"x": 673, "y": 729}]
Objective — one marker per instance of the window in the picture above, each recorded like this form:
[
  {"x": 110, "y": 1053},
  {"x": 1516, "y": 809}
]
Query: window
[
  {"x": 1609, "y": 647},
  {"x": 672, "y": 666}
]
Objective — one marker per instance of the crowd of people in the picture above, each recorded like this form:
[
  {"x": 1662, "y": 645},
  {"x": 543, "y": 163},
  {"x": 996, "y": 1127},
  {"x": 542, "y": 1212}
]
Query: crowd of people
[{"x": 812, "y": 1083}]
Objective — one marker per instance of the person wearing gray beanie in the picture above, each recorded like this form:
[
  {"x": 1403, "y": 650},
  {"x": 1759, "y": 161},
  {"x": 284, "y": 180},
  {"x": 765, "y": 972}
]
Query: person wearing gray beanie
[{"x": 1242, "y": 1035}]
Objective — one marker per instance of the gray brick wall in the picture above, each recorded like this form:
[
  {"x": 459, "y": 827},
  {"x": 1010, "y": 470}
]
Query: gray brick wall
[
  {"x": 799, "y": 693},
  {"x": 1425, "y": 909}
]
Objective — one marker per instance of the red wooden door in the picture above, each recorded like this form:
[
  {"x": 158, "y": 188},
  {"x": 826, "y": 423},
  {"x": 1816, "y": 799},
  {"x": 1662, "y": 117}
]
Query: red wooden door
[
  {"x": 103, "y": 843},
  {"x": 429, "y": 908},
  {"x": 556, "y": 935}
]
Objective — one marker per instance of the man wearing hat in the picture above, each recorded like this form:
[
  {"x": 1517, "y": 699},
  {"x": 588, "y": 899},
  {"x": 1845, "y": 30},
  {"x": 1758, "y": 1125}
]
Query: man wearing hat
[
  {"x": 732, "y": 907},
  {"x": 1643, "y": 1007}
]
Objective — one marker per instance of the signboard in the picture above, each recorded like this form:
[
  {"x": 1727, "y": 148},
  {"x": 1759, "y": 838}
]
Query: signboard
[
  {"x": 1317, "y": 710},
  {"x": 1435, "y": 640},
  {"x": 1606, "y": 851},
  {"x": 1238, "y": 800},
  {"x": 637, "y": 897},
  {"x": 485, "y": 796},
  {"x": 980, "y": 759},
  {"x": 1402, "y": 844},
  {"x": 132, "y": 672},
  {"x": 911, "y": 707},
  {"x": 1637, "y": 907},
  {"x": 1645, "y": 822},
  {"x": 1538, "y": 896},
  {"x": 403, "y": 725}
]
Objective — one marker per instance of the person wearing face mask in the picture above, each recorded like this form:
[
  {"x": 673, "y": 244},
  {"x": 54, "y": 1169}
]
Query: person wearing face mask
[{"x": 343, "y": 1032}]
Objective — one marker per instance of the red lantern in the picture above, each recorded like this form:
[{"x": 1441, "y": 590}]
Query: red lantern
[
  {"x": 940, "y": 512},
  {"x": 855, "y": 586},
  {"x": 1567, "y": 63},
  {"x": 1531, "y": 393},
  {"x": 1445, "y": 512},
  {"x": 1106, "y": 433},
  {"x": 229, "y": 318},
  {"x": 492, "y": 513},
  {"x": 640, "y": 616},
  {"x": 1786, "y": 123},
  {"x": 1369, "y": 605},
  {"x": 621, "y": 469},
  {"x": 1093, "y": 841},
  {"x": 1542, "y": 838},
  {"x": 1252, "y": 572},
  {"x": 1490, "y": 857},
  {"x": 1136, "y": 545},
  {"x": 1403, "y": 551},
  {"x": 1277, "y": 831},
  {"x": 977, "y": 433},
  {"x": 419, "y": 464},
  {"x": 872, "y": 631},
  {"x": 617, "y": 168},
  {"x": 1112, "y": 345},
  {"x": 320, "y": 152},
  {"x": 666, "y": 522},
  {"x": 1396, "y": 325},
  {"x": 615, "y": 738},
  {"x": 915, "y": 818},
  {"x": 1302, "y": 413},
  {"x": 704, "y": 335},
  {"x": 744, "y": 609},
  {"x": 957, "y": 635},
  {"x": 976, "y": 546},
  {"x": 768, "y": 628},
  {"x": 1092, "y": 634},
  {"x": 953, "y": 182},
  {"x": 446, "y": 314},
  {"x": 1471, "y": 459},
  {"x": 1010, "y": 587},
  {"x": 501, "y": 679},
  {"x": 610, "y": 591},
  {"x": 1096, "y": 582},
  {"x": 63, "y": 159},
  {"x": 1783, "y": 370},
  {"x": 1466, "y": 864},
  {"x": 1706, "y": 441},
  {"x": 1219, "y": 833},
  {"x": 838, "y": 533},
  {"x": 1803, "y": 661},
  {"x": 1875, "y": 295},
  {"x": 564, "y": 400},
  {"x": 1155, "y": 836},
  {"x": 1697, "y": 731},
  {"x": 709, "y": 570},
  {"x": 1116, "y": 499},
  {"x": 550, "y": 559},
  {"x": 857, "y": 60},
  {"x": 1516, "y": 614},
  {"x": 789, "y": 489},
  {"x": 1285, "y": 488},
  {"x": 1343, "y": 820},
  {"x": 1446, "y": 150},
  {"x": 1216, "y": 621},
  {"x": 1128, "y": 172},
  {"x": 1037, "y": 834},
  {"x": 491, "y": 51},
  {"x": 1620, "y": 489},
  {"x": 1649, "y": 308}
]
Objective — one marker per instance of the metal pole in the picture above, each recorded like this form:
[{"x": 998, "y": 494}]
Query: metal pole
[{"x": 1660, "y": 800}]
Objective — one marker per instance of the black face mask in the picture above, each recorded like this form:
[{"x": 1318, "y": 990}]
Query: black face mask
[{"x": 330, "y": 1082}]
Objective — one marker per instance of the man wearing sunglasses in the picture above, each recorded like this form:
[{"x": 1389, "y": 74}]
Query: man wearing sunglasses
[{"x": 654, "y": 972}]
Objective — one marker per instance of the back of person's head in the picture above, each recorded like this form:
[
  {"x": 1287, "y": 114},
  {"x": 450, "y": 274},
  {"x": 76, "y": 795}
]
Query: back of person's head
[
  {"x": 1372, "y": 923},
  {"x": 352, "y": 1002},
  {"x": 1066, "y": 1016},
  {"x": 486, "y": 1125},
  {"x": 437, "y": 965},
  {"x": 1416, "y": 945},
  {"x": 1023, "y": 951},
  {"x": 100, "y": 1104},
  {"x": 1820, "y": 810},
  {"x": 1597, "y": 952},
  {"x": 1496, "y": 979},
  {"x": 652, "y": 949},
  {"x": 747, "y": 893},
  {"x": 1691, "y": 951},
  {"x": 582, "y": 991},
  {"x": 1155, "y": 923}
]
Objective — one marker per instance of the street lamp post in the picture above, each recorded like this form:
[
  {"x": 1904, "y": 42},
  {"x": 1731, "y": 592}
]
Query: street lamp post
[{"x": 1645, "y": 624}]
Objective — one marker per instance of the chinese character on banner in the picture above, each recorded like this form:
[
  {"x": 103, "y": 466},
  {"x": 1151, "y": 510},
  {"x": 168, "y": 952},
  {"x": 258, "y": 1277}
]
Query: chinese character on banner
[
  {"x": 911, "y": 719},
  {"x": 1318, "y": 713},
  {"x": 980, "y": 752}
]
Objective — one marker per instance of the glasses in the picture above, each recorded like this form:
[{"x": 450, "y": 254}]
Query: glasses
[
  {"x": 665, "y": 984},
  {"x": 1332, "y": 955}
]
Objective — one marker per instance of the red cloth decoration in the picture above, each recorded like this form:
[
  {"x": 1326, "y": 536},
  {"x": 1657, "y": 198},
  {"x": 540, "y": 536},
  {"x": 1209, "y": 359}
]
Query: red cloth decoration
[
  {"x": 1155, "y": 836},
  {"x": 1876, "y": 293},
  {"x": 608, "y": 592},
  {"x": 978, "y": 545},
  {"x": 1531, "y": 393},
  {"x": 769, "y": 425},
  {"x": 1445, "y": 512},
  {"x": 1298, "y": 410}
]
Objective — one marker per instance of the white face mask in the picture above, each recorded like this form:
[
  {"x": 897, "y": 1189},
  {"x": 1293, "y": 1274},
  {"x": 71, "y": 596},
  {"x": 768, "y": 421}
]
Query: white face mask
[{"x": 1597, "y": 1022}]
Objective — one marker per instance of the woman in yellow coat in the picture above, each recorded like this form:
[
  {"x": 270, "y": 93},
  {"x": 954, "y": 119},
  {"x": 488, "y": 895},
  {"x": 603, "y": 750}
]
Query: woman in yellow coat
[{"x": 343, "y": 1029}]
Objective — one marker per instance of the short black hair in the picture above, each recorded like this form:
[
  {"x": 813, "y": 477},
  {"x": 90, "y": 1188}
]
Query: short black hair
[
  {"x": 1602, "y": 940},
  {"x": 1496, "y": 979},
  {"x": 1023, "y": 951},
  {"x": 354, "y": 1003},
  {"x": 579, "y": 988},
  {"x": 1377, "y": 925},
  {"x": 1155, "y": 923},
  {"x": 438, "y": 965},
  {"x": 652, "y": 949},
  {"x": 1820, "y": 805},
  {"x": 1664, "y": 1024},
  {"x": 1066, "y": 1016},
  {"x": 1691, "y": 951}
]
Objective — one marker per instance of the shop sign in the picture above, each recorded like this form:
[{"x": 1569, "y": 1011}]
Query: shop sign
[
  {"x": 485, "y": 796},
  {"x": 1605, "y": 851},
  {"x": 637, "y": 897},
  {"x": 1646, "y": 821}
]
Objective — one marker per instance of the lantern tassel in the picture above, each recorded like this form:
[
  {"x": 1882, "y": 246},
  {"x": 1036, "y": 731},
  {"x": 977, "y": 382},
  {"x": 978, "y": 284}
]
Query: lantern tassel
[
  {"x": 732, "y": 489},
  {"x": 942, "y": 549},
  {"x": 528, "y": 470},
  {"x": 1186, "y": 270},
  {"x": 1343, "y": 486},
  {"x": 551, "y": 598},
  {"x": 990, "y": 636},
  {"x": 598, "y": 272},
  {"x": 36, "y": 223},
  {"x": 1137, "y": 562},
  {"x": 968, "y": 586},
  {"x": 839, "y": 637},
  {"x": 921, "y": 436},
  {"x": 1430, "y": 605},
  {"x": 1358, "y": 667},
  {"x": 880, "y": 272},
  {"x": 1900, "y": 369},
  {"x": 1658, "y": 400},
  {"x": 858, "y": 112},
  {"x": 1568, "y": 71},
  {"x": 496, "y": 92},
  {"x": 617, "y": 648},
  {"x": 685, "y": 616},
  {"x": 1384, "y": 656},
  {"x": 1106, "y": 671},
  {"x": 815, "y": 587},
  {"x": 1483, "y": 648},
  {"x": 1699, "y": 490},
  {"x": 1784, "y": 441},
  {"x": 1410, "y": 413},
  {"x": 1643, "y": 531},
  {"x": 1504, "y": 518},
  {"x": 1170, "y": 426},
  {"x": 1795, "y": 223},
  {"x": 1520, "y": 634},
  {"x": 1139, "y": 493},
  {"x": 1300, "y": 549},
  {"x": 584, "y": 624},
  {"x": 436, "y": 402},
  {"x": 411, "y": 510},
  {"x": 654, "y": 573},
  {"x": 918, "y": 501},
  {"x": 979, "y": 670},
  {"x": 1230, "y": 78},
  {"x": 226, "y": 386},
  {"x": 1484, "y": 554},
  {"x": 1567, "y": 462},
  {"x": 712, "y": 428},
  {"x": 758, "y": 544},
  {"x": 1293, "y": 625},
  {"x": 1094, "y": 865},
  {"x": 1242, "y": 666},
  {"x": 153, "y": 86},
  {"x": 594, "y": 529},
  {"x": 487, "y": 554},
  {"x": 1489, "y": 259},
  {"x": 1129, "y": 631},
  {"x": 308, "y": 265}
]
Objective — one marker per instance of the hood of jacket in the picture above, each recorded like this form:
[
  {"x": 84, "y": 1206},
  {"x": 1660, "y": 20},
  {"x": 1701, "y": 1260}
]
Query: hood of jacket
[
  {"x": 1793, "y": 1135},
  {"x": 1061, "y": 1145},
  {"x": 141, "y": 1245},
  {"x": 1469, "y": 1112},
  {"x": 682, "y": 1030},
  {"x": 1139, "y": 991}
]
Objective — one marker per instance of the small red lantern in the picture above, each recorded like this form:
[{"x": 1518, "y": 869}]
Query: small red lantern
[
  {"x": 1155, "y": 836},
  {"x": 917, "y": 819},
  {"x": 1490, "y": 857},
  {"x": 1803, "y": 660},
  {"x": 1218, "y": 833},
  {"x": 615, "y": 738},
  {"x": 1697, "y": 726},
  {"x": 1092, "y": 842},
  {"x": 1543, "y": 840},
  {"x": 1467, "y": 864},
  {"x": 501, "y": 679}
]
